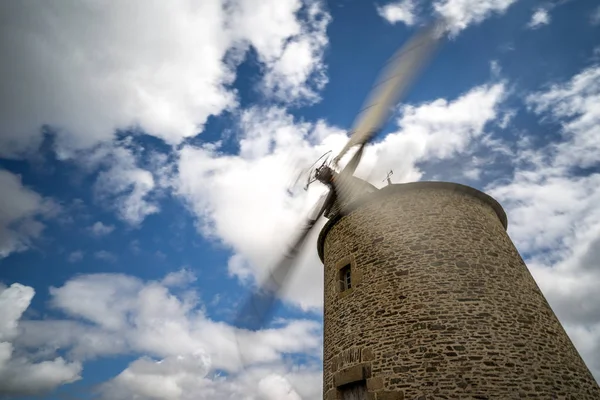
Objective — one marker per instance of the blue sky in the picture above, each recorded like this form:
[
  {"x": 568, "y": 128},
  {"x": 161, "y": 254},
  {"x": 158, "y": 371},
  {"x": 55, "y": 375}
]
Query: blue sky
[{"x": 146, "y": 151}]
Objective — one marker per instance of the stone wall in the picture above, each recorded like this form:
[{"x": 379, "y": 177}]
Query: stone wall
[{"x": 442, "y": 305}]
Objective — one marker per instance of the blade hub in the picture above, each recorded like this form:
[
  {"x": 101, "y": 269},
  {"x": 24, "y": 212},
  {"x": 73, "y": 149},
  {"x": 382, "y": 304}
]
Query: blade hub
[{"x": 325, "y": 175}]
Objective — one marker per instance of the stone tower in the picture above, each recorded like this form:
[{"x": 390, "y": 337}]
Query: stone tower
[{"x": 427, "y": 297}]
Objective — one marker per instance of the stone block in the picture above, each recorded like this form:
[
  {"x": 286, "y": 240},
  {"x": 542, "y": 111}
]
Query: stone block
[
  {"x": 352, "y": 374},
  {"x": 374, "y": 384},
  {"x": 367, "y": 354},
  {"x": 390, "y": 395},
  {"x": 349, "y": 375},
  {"x": 331, "y": 394}
]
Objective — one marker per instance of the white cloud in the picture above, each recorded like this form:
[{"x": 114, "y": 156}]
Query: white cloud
[
  {"x": 576, "y": 104},
  {"x": 168, "y": 378},
  {"x": 458, "y": 14},
  {"x": 298, "y": 72},
  {"x": 99, "y": 229},
  {"x": 272, "y": 142},
  {"x": 595, "y": 18},
  {"x": 13, "y": 303},
  {"x": 125, "y": 315},
  {"x": 258, "y": 228},
  {"x": 462, "y": 13},
  {"x": 434, "y": 131},
  {"x": 187, "y": 378},
  {"x": 553, "y": 212},
  {"x": 78, "y": 68},
  {"x": 18, "y": 374},
  {"x": 105, "y": 256},
  {"x": 400, "y": 11},
  {"x": 495, "y": 69},
  {"x": 596, "y": 54},
  {"x": 540, "y": 17},
  {"x": 129, "y": 188},
  {"x": 275, "y": 387},
  {"x": 141, "y": 314},
  {"x": 179, "y": 278},
  {"x": 20, "y": 208},
  {"x": 75, "y": 256},
  {"x": 97, "y": 77},
  {"x": 121, "y": 185}
]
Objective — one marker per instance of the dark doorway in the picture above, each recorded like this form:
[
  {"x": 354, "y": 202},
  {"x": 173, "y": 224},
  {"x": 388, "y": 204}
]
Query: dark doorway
[{"x": 354, "y": 391}]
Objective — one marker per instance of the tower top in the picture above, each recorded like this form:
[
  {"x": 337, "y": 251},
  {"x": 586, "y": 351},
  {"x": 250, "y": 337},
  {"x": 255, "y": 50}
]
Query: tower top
[{"x": 405, "y": 187}]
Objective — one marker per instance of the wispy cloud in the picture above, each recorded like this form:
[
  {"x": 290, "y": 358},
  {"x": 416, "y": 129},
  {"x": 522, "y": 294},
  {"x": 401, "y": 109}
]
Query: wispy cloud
[
  {"x": 540, "y": 17},
  {"x": 105, "y": 256},
  {"x": 595, "y": 16},
  {"x": 20, "y": 213},
  {"x": 75, "y": 256},
  {"x": 100, "y": 229}
]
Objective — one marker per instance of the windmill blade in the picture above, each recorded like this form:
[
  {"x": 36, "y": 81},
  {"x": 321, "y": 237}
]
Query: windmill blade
[
  {"x": 259, "y": 307},
  {"x": 395, "y": 79},
  {"x": 349, "y": 188}
]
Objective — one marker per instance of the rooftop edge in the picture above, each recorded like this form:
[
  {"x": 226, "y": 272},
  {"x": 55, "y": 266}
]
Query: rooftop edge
[{"x": 404, "y": 187}]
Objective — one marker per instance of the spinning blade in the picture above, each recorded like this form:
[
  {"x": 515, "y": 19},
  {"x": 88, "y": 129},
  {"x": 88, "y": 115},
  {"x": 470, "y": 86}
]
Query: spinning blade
[{"x": 395, "y": 79}]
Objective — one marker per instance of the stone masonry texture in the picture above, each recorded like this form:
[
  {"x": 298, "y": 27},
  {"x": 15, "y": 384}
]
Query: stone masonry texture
[{"x": 442, "y": 305}]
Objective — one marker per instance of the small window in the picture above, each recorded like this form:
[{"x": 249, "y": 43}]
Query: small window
[{"x": 345, "y": 278}]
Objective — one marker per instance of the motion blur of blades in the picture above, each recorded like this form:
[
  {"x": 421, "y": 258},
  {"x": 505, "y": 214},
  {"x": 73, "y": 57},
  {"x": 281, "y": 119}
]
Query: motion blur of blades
[
  {"x": 346, "y": 186},
  {"x": 259, "y": 307},
  {"x": 395, "y": 79},
  {"x": 349, "y": 188}
]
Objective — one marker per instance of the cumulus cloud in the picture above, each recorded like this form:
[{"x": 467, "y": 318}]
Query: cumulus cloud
[
  {"x": 79, "y": 69},
  {"x": 90, "y": 76},
  {"x": 554, "y": 217},
  {"x": 137, "y": 315},
  {"x": 297, "y": 73},
  {"x": 20, "y": 210},
  {"x": 258, "y": 228},
  {"x": 121, "y": 184},
  {"x": 169, "y": 378},
  {"x": 129, "y": 190},
  {"x": 272, "y": 142},
  {"x": 187, "y": 378},
  {"x": 461, "y": 13},
  {"x": 401, "y": 11},
  {"x": 19, "y": 375},
  {"x": 76, "y": 70},
  {"x": 119, "y": 314},
  {"x": 575, "y": 104},
  {"x": 434, "y": 131},
  {"x": 457, "y": 14},
  {"x": 540, "y": 17}
]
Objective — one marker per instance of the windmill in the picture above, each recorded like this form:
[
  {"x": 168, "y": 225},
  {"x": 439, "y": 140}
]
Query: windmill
[
  {"x": 397, "y": 75},
  {"x": 425, "y": 294}
]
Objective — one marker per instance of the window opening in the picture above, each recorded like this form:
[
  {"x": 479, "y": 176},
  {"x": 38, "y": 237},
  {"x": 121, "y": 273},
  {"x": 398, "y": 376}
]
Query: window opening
[
  {"x": 345, "y": 278},
  {"x": 354, "y": 391}
]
